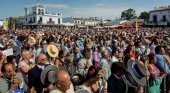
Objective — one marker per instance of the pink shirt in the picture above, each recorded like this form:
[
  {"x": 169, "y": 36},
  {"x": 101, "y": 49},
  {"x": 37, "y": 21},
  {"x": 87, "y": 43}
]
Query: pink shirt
[{"x": 154, "y": 71}]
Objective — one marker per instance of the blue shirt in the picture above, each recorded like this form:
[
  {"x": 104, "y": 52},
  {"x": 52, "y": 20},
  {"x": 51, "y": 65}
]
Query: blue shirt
[{"x": 161, "y": 64}]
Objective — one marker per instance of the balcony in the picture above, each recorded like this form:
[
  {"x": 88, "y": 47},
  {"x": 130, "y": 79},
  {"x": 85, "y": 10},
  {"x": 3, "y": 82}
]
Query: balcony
[
  {"x": 50, "y": 22},
  {"x": 39, "y": 21}
]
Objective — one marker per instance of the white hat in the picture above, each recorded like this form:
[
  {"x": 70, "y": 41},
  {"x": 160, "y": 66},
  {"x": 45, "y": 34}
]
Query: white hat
[{"x": 137, "y": 71}]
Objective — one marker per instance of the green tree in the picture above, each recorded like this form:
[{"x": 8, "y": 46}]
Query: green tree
[
  {"x": 144, "y": 15},
  {"x": 129, "y": 14}
]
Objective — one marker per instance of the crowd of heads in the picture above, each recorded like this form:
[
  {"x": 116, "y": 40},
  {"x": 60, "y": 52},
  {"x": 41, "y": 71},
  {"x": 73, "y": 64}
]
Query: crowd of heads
[{"x": 82, "y": 57}]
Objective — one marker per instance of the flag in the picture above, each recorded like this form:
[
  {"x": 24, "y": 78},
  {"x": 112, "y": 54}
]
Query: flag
[
  {"x": 6, "y": 24},
  {"x": 137, "y": 25}
]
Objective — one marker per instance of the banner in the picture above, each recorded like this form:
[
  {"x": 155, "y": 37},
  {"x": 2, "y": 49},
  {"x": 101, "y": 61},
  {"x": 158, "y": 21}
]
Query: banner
[
  {"x": 137, "y": 25},
  {"x": 6, "y": 24}
]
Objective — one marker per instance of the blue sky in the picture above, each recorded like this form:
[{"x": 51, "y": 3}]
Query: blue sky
[{"x": 81, "y": 8}]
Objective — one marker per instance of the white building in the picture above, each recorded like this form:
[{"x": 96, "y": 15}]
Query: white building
[
  {"x": 80, "y": 21},
  {"x": 160, "y": 16},
  {"x": 38, "y": 15},
  {"x": 91, "y": 21}
]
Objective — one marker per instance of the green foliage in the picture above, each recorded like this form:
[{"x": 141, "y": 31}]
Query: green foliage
[
  {"x": 144, "y": 15},
  {"x": 129, "y": 14}
]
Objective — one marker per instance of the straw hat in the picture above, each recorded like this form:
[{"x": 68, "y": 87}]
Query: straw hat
[
  {"x": 31, "y": 40},
  {"x": 167, "y": 59},
  {"x": 137, "y": 71},
  {"x": 124, "y": 33},
  {"x": 52, "y": 50}
]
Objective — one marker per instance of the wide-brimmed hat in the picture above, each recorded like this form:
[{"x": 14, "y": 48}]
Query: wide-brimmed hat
[
  {"x": 137, "y": 71},
  {"x": 16, "y": 50},
  {"x": 167, "y": 59},
  {"x": 31, "y": 40},
  {"x": 76, "y": 79},
  {"x": 48, "y": 74},
  {"x": 52, "y": 50},
  {"x": 1, "y": 45},
  {"x": 124, "y": 33}
]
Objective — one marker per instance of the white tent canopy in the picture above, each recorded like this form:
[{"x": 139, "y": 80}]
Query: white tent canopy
[
  {"x": 111, "y": 26},
  {"x": 124, "y": 22},
  {"x": 68, "y": 24}
]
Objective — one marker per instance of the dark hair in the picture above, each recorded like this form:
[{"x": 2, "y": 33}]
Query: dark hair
[
  {"x": 4, "y": 66},
  {"x": 136, "y": 44},
  {"x": 165, "y": 46},
  {"x": 114, "y": 49},
  {"x": 93, "y": 70},
  {"x": 126, "y": 58},
  {"x": 117, "y": 66},
  {"x": 158, "y": 49},
  {"x": 85, "y": 50},
  {"x": 151, "y": 57}
]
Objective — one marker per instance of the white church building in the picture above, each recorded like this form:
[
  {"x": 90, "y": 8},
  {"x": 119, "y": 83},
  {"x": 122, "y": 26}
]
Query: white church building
[{"x": 37, "y": 16}]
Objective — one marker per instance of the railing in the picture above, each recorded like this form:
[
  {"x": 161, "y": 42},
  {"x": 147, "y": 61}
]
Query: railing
[{"x": 51, "y": 22}]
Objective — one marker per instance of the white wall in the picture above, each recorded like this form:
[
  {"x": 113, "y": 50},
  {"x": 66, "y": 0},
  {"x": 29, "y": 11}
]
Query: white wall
[
  {"x": 91, "y": 23},
  {"x": 160, "y": 15}
]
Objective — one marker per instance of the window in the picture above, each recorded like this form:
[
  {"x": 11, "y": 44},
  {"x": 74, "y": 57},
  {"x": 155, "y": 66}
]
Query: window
[
  {"x": 42, "y": 12},
  {"x": 39, "y": 11},
  {"x": 40, "y": 20},
  {"x": 30, "y": 21},
  {"x": 154, "y": 18},
  {"x": 59, "y": 20},
  {"x": 50, "y": 19},
  {"x": 34, "y": 20},
  {"x": 164, "y": 18},
  {"x": 26, "y": 19}
]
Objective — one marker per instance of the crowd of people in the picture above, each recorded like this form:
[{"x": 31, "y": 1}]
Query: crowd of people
[{"x": 85, "y": 61}]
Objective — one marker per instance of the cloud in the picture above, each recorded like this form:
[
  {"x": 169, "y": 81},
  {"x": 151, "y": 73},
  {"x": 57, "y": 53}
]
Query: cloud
[{"x": 57, "y": 6}]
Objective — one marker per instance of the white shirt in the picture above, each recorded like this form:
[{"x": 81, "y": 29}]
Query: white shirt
[{"x": 55, "y": 90}]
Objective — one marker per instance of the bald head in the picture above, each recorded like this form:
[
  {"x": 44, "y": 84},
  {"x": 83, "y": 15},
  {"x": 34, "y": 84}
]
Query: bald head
[
  {"x": 63, "y": 81},
  {"x": 62, "y": 76}
]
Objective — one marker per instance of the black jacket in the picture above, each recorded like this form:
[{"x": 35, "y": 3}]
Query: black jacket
[{"x": 34, "y": 79}]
